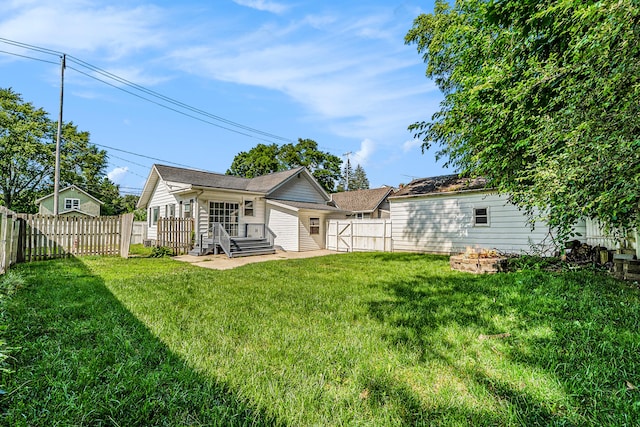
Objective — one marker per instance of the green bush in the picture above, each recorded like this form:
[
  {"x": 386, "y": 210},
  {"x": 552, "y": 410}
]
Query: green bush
[{"x": 161, "y": 251}]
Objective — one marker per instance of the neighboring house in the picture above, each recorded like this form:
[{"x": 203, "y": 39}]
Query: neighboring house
[
  {"x": 72, "y": 201},
  {"x": 289, "y": 206},
  {"x": 364, "y": 204},
  {"x": 449, "y": 214}
]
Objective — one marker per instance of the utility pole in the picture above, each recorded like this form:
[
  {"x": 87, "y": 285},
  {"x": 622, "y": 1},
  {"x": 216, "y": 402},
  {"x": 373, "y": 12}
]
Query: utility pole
[
  {"x": 56, "y": 175},
  {"x": 346, "y": 184}
]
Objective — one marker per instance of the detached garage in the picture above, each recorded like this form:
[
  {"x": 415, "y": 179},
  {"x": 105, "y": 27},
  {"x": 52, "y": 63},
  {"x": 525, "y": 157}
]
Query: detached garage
[{"x": 449, "y": 214}]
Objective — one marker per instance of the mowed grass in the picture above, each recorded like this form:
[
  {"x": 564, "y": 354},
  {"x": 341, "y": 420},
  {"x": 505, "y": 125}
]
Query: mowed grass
[{"x": 353, "y": 339}]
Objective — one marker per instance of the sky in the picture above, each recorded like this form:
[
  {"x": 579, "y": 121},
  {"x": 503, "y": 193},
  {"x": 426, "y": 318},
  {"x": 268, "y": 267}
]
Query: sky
[{"x": 243, "y": 72}]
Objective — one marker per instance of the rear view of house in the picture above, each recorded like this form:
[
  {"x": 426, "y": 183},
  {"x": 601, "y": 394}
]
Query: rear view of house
[{"x": 286, "y": 209}]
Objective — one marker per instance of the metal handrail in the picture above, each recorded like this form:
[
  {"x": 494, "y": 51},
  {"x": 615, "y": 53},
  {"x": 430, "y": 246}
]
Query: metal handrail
[
  {"x": 269, "y": 235},
  {"x": 221, "y": 237}
]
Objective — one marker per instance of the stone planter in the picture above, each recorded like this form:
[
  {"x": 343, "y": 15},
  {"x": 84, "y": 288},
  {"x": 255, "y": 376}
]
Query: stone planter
[{"x": 477, "y": 265}]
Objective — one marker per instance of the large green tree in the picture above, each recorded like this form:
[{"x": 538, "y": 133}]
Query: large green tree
[
  {"x": 263, "y": 159},
  {"x": 541, "y": 97},
  {"x": 27, "y": 156}
]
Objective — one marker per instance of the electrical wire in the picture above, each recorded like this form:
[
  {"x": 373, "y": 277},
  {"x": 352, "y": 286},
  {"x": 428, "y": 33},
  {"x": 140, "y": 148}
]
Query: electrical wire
[{"x": 244, "y": 130}]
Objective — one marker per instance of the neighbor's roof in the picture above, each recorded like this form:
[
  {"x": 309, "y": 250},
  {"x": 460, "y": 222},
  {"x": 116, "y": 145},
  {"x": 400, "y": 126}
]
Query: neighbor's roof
[
  {"x": 361, "y": 200},
  {"x": 441, "y": 184},
  {"x": 68, "y": 188}
]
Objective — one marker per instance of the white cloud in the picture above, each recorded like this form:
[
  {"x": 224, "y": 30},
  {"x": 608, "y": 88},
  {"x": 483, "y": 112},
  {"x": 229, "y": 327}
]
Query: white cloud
[
  {"x": 263, "y": 5},
  {"x": 367, "y": 148},
  {"x": 411, "y": 144},
  {"x": 117, "y": 174},
  {"x": 76, "y": 26}
]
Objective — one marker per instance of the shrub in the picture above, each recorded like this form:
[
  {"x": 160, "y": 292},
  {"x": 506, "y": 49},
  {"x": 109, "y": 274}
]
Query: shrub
[{"x": 161, "y": 251}]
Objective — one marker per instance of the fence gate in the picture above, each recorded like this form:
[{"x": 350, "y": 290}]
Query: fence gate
[{"x": 359, "y": 235}]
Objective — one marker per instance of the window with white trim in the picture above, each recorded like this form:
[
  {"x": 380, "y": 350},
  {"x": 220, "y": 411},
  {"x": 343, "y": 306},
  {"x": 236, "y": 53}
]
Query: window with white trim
[
  {"x": 71, "y": 204},
  {"x": 248, "y": 208},
  {"x": 186, "y": 213},
  {"x": 314, "y": 225},
  {"x": 154, "y": 213},
  {"x": 481, "y": 217}
]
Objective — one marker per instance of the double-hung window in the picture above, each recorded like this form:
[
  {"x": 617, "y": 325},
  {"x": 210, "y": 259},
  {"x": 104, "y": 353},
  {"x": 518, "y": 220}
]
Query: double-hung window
[
  {"x": 481, "y": 217},
  {"x": 71, "y": 204},
  {"x": 314, "y": 225}
]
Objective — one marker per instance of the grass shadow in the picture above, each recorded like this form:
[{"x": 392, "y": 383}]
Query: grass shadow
[
  {"x": 85, "y": 360},
  {"x": 576, "y": 331}
]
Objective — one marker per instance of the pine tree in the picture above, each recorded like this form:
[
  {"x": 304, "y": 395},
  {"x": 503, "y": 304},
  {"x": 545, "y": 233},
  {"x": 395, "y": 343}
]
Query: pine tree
[{"x": 358, "y": 180}]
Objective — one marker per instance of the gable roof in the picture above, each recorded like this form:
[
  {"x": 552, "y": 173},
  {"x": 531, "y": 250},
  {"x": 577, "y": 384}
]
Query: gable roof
[
  {"x": 361, "y": 200},
  {"x": 441, "y": 184},
  {"x": 265, "y": 184},
  {"x": 65, "y": 189}
]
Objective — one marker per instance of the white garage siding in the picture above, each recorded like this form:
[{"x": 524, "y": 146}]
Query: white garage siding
[
  {"x": 309, "y": 242},
  {"x": 445, "y": 224},
  {"x": 284, "y": 223}
]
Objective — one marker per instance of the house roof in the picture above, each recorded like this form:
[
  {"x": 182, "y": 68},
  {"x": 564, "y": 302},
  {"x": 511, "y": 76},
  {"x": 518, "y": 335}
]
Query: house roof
[
  {"x": 264, "y": 184},
  {"x": 70, "y": 187},
  {"x": 441, "y": 184},
  {"x": 361, "y": 200}
]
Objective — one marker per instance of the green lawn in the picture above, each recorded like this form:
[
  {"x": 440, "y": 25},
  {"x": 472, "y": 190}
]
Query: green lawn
[{"x": 354, "y": 339}]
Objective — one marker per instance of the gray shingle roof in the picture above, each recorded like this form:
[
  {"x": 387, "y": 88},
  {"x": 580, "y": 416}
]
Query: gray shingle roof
[
  {"x": 441, "y": 184},
  {"x": 261, "y": 184},
  {"x": 361, "y": 200}
]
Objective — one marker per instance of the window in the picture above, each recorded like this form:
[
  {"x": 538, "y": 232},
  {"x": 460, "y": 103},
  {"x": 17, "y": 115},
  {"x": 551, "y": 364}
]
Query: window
[
  {"x": 154, "y": 213},
  {"x": 171, "y": 211},
  {"x": 481, "y": 217},
  {"x": 187, "y": 209},
  {"x": 248, "y": 208},
  {"x": 71, "y": 204},
  {"x": 314, "y": 225}
]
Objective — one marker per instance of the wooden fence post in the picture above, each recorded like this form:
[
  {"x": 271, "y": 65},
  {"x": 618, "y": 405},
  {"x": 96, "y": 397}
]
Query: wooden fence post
[{"x": 126, "y": 228}]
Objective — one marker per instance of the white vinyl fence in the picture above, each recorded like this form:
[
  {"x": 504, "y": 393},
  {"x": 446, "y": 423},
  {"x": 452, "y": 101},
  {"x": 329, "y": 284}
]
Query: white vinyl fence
[{"x": 359, "y": 235}]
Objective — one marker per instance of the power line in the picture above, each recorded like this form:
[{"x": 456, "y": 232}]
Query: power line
[
  {"x": 244, "y": 130},
  {"x": 142, "y": 155},
  {"x": 28, "y": 57}
]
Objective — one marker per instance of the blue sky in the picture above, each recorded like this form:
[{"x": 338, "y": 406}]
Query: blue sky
[{"x": 333, "y": 71}]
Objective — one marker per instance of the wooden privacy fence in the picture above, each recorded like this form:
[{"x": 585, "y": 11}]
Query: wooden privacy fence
[
  {"x": 359, "y": 235},
  {"x": 46, "y": 237},
  {"x": 9, "y": 239},
  {"x": 176, "y": 234}
]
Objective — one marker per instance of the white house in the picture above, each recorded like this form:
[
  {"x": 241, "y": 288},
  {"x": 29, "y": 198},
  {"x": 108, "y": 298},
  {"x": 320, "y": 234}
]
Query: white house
[
  {"x": 289, "y": 209},
  {"x": 449, "y": 214}
]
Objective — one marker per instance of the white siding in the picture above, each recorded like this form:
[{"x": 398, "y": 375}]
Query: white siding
[
  {"x": 161, "y": 198},
  {"x": 444, "y": 224},
  {"x": 299, "y": 189},
  {"x": 595, "y": 236},
  {"x": 284, "y": 223},
  {"x": 309, "y": 242}
]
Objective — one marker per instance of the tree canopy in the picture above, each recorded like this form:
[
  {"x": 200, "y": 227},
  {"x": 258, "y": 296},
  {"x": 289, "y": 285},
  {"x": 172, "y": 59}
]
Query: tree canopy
[
  {"x": 264, "y": 159},
  {"x": 541, "y": 97},
  {"x": 27, "y": 157}
]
